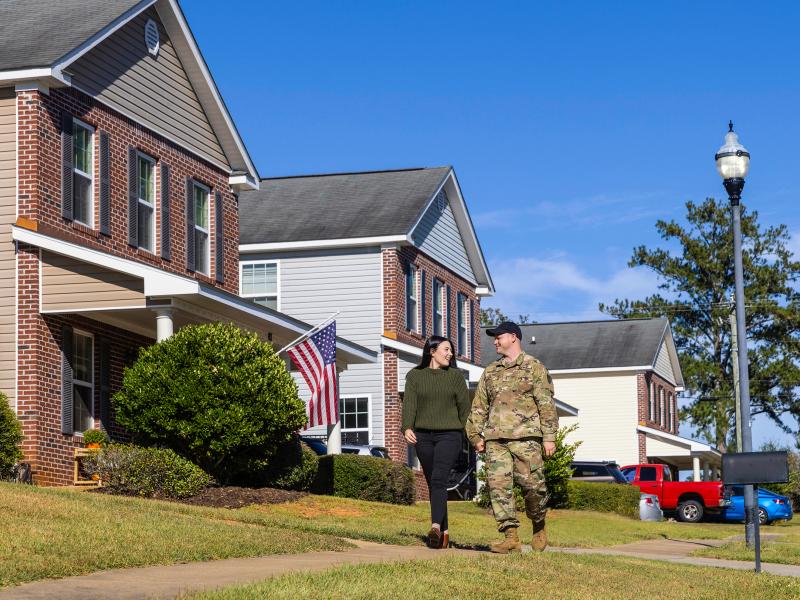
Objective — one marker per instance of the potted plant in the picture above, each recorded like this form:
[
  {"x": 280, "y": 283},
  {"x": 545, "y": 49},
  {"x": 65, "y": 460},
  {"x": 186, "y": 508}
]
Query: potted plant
[{"x": 94, "y": 438}]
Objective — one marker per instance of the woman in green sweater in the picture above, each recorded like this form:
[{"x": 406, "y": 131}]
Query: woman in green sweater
[{"x": 435, "y": 409}]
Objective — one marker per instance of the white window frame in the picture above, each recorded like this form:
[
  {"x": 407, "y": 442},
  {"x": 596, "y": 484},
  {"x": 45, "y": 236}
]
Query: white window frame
[
  {"x": 76, "y": 171},
  {"x": 356, "y": 397},
  {"x": 207, "y": 190},
  {"x": 440, "y": 320},
  {"x": 671, "y": 410},
  {"x": 661, "y": 405},
  {"x": 652, "y": 403},
  {"x": 140, "y": 200},
  {"x": 80, "y": 382},
  {"x": 462, "y": 322},
  {"x": 413, "y": 271},
  {"x": 277, "y": 294}
]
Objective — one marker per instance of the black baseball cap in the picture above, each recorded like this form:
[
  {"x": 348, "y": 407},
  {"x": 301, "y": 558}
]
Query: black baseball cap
[{"x": 506, "y": 327}]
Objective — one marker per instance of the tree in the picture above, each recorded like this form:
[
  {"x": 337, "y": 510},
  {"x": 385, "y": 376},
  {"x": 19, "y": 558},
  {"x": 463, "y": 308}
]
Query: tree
[
  {"x": 494, "y": 316},
  {"x": 214, "y": 394},
  {"x": 696, "y": 283},
  {"x": 10, "y": 438}
]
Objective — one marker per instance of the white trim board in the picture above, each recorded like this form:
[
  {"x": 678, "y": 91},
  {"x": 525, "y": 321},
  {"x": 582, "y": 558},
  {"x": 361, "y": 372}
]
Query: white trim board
[{"x": 314, "y": 244}]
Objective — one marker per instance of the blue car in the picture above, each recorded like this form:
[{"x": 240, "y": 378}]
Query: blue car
[{"x": 771, "y": 506}]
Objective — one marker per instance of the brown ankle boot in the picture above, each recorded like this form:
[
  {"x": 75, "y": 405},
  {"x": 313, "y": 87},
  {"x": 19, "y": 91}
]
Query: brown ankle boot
[
  {"x": 539, "y": 541},
  {"x": 510, "y": 543}
]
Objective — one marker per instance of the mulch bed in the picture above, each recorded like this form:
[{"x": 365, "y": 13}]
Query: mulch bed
[{"x": 232, "y": 496}]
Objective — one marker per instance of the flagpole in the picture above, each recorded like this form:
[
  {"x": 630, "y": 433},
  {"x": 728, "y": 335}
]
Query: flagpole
[{"x": 309, "y": 332}]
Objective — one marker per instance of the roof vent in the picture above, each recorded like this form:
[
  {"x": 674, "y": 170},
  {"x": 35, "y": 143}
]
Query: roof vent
[
  {"x": 441, "y": 200},
  {"x": 152, "y": 37}
]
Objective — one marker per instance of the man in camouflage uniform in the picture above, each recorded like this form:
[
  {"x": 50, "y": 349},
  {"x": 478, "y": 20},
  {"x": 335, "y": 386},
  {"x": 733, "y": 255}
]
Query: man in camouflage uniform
[{"x": 514, "y": 420}]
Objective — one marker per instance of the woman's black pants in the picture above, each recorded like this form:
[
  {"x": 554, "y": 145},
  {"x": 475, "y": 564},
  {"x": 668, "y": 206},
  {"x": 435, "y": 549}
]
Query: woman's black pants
[{"x": 437, "y": 452}]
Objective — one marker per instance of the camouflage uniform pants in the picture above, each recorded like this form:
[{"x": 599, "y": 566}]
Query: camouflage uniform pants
[{"x": 520, "y": 461}]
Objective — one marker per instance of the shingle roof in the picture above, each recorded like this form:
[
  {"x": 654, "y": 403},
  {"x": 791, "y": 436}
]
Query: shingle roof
[
  {"x": 337, "y": 206},
  {"x": 36, "y": 33},
  {"x": 588, "y": 344}
]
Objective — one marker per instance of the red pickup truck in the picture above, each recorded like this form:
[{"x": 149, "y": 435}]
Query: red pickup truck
[{"x": 690, "y": 499}]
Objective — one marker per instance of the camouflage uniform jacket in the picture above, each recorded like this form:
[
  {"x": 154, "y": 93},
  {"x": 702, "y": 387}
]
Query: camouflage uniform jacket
[{"x": 513, "y": 401}]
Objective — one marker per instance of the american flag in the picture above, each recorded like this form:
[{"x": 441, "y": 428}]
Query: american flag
[{"x": 315, "y": 357}]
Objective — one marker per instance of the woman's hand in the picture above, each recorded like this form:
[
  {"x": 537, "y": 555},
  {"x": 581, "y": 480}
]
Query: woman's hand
[{"x": 410, "y": 437}]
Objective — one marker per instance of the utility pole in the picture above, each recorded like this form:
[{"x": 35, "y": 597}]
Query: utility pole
[{"x": 735, "y": 369}]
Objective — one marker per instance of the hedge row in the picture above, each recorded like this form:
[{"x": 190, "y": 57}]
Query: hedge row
[
  {"x": 604, "y": 497},
  {"x": 364, "y": 478}
]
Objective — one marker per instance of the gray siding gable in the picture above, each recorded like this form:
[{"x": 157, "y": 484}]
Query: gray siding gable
[
  {"x": 154, "y": 91},
  {"x": 438, "y": 236}
]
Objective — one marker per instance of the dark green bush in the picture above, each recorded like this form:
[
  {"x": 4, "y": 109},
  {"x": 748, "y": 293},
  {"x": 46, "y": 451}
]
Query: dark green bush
[
  {"x": 364, "y": 478},
  {"x": 214, "y": 394},
  {"x": 604, "y": 497},
  {"x": 10, "y": 438},
  {"x": 293, "y": 467},
  {"x": 149, "y": 472},
  {"x": 95, "y": 436},
  {"x": 557, "y": 471}
]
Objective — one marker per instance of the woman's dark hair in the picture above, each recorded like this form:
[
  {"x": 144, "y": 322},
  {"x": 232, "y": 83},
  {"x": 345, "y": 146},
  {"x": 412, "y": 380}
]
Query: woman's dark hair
[{"x": 431, "y": 344}]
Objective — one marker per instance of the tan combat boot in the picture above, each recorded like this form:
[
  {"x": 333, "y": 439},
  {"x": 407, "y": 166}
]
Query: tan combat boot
[
  {"x": 539, "y": 541},
  {"x": 509, "y": 544}
]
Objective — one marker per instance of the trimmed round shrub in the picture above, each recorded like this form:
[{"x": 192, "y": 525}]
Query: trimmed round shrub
[
  {"x": 364, "y": 478},
  {"x": 148, "y": 472},
  {"x": 293, "y": 467},
  {"x": 604, "y": 497},
  {"x": 10, "y": 438},
  {"x": 214, "y": 394}
]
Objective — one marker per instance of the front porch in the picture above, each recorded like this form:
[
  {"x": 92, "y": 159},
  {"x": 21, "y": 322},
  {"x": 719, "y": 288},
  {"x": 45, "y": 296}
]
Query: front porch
[{"x": 682, "y": 454}]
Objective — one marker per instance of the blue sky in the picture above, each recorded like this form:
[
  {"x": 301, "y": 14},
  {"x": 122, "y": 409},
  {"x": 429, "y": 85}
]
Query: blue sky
[{"x": 572, "y": 126}]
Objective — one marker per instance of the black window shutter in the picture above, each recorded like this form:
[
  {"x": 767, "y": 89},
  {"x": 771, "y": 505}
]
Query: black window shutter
[
  {"x": 219, "y": 250},
  {"x": 66, "y": 166},
  {"x": 133, "y": 197},
  {"x": 66, "y": 381},
  {"x": 105, "y": 383},
  {"x": 471, "y": 330},
  {"x": 422, "y": 303},
  {"x": 104, "y": 160},
  {"x": 165, "y": 240},
  {"x": 189, "y": 224},
  {"x": 449, "y": 311}
]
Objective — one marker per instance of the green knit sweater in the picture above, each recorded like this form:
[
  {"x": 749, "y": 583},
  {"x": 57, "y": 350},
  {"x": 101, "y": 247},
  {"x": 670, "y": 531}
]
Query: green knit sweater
[{"x": 435, "y": 399}]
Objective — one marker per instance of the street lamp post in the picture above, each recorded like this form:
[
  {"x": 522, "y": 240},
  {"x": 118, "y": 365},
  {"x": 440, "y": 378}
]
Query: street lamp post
[{"x": 733, "y": 163}]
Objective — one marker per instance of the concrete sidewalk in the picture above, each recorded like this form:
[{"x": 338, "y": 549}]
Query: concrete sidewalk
[{"x": 169, "y": 581}]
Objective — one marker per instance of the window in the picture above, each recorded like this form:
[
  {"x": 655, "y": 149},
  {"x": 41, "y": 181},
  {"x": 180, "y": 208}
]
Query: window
[
  {"x": 411, "y": 298},
  {"x": 82, "y": 381},
  {"x": 259, "y": 282},
  {"x": 671, "y": 407},
  {"x": 354, "y": 416},
  {"x": 629, "y": 473},
  {"x": 647, "y": 474},
  {"x": 652, "y": 403},
  {"x": 661, "y": 407},
  {"x": 438, "y": 307},
  {"x": 461, "y": 317},
  {"x": 146, "y": 192},
  {"x": 82, "y": 173},
  {"x": 201, "y": 220},
  {"x": 666, "y": 472}
]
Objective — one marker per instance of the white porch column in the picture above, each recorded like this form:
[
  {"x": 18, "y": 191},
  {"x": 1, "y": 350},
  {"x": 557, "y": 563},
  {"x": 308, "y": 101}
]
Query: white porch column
[
  {"x": 164, "y": 327},
  {"x": 714, "y": 474},
  {"x": 705, "y": 472},
  {"x": 696, "y": 468},
  {"x": 335, "y": 430}
]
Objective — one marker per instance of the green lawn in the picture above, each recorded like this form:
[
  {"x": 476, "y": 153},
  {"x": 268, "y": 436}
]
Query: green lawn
[
  {"x": 470, "y": 525},
  {"x": 784, "y": 549},
  {"x": 46, "y": 533},
  {"x": 552, "y": 576}
]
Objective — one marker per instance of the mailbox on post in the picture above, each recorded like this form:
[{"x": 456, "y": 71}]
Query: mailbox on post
[{"x": 755, "y": 468}]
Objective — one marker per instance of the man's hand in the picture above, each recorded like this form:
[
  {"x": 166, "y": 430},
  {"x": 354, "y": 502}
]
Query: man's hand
[
  {"x": 411, "y": 438},
  {"x": 480, "y": 446},
  {"x": 549, "y": 448}
]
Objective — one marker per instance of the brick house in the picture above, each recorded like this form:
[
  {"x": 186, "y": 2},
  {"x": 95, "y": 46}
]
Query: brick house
[
  {"x": 394, "y": 252},
  {"x": 623, "y": 377},
  {"x": 120, "y": 173}
]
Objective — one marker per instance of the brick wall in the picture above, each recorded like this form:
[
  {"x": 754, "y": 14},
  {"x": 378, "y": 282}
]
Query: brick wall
[
  {"x": 40, "y": 182},
  {"x": 644, "y": 380}
]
